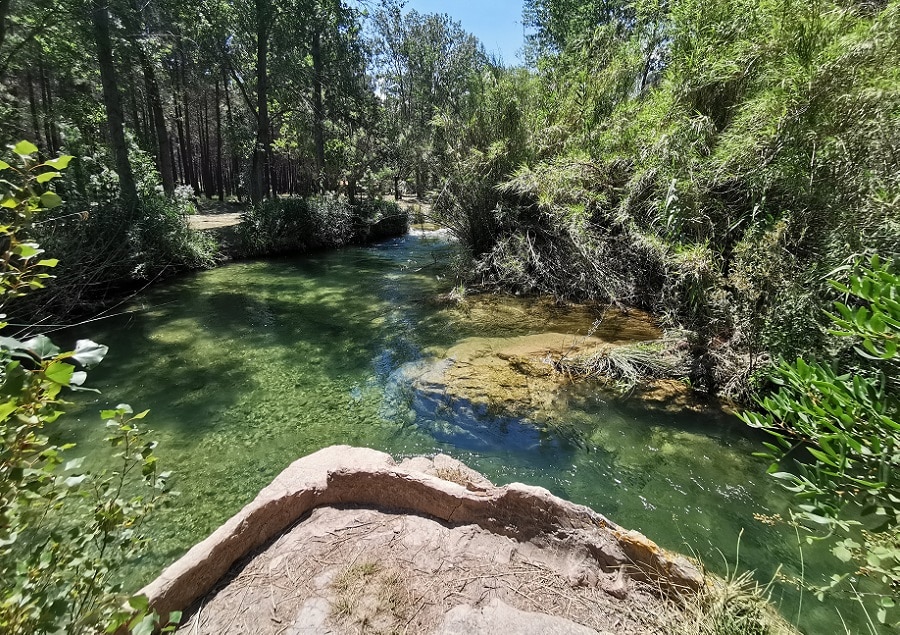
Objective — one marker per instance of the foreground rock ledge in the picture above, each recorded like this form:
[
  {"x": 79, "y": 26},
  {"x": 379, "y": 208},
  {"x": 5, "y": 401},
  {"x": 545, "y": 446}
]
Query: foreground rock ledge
[{"x": 442, "y": 489}]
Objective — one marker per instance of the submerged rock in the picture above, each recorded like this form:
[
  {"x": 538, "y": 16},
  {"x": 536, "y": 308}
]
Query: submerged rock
[{"x": 528, "y": 376}]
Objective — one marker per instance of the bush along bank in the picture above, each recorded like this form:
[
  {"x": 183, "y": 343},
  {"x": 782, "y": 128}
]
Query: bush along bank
[
  {"x": 300, "y": 225},
  {"x": 105, "y": 247}
]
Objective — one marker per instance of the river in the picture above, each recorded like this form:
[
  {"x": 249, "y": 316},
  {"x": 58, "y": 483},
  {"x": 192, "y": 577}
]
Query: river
[{"x": 246, "y": 367}]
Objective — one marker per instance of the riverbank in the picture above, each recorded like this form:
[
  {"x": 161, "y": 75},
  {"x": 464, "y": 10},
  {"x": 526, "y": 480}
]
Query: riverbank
[{"x": 226, "y": 232}]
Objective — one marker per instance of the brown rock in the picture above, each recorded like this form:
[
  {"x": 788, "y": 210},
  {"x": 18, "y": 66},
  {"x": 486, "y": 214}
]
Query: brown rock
[{"x": 342, "y": 475}]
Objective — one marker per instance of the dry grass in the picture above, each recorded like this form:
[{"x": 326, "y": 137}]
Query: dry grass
[
  {"x": 737, "y": 605},
  {"x": 632, "y": 364},
  {"x": 371, "y": 599},
  {"x": 454, "y": 475}
]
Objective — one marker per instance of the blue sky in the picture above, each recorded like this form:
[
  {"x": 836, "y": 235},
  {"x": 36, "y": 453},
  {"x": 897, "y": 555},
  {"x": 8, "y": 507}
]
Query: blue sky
[{"x": 497, "y": 23}]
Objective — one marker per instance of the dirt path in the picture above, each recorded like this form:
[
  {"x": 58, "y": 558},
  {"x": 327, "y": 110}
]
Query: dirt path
[
  {"x": 213, "y": 221},
  {"x": 215, "y": 215}
]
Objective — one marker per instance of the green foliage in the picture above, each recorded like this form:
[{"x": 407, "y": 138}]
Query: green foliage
[
  {"x": 299, "y": 225},
  {"x": 378, "y": 219},
  {"x": 697, "y": 159},
  {"x": 99, "y": 251},
  {"x": 22, "y": 198},
  {"x": 64, "y": 531},
  {"x": 838, "y": 430},
  {"x": 427, "y": 66}
]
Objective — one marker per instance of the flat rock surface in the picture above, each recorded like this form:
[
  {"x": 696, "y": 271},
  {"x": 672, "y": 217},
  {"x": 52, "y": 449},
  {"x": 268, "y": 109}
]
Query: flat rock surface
[
  {"x": 355, "y": 570},
  {"x": 498, "y": 618}
]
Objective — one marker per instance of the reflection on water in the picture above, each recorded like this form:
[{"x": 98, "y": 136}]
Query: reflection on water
[{"x": 249, "y": 366}]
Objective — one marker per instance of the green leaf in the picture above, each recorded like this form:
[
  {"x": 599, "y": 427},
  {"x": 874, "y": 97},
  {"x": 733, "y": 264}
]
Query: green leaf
[
  {"x": 75, "y": 481},
  {"x": 174, "y": 619},
  {"x": 25, "y": 149},
  {"x": 89, "y": 353},
  {"x": 7, "y": 409},
  {"x": 61, "y": 162},
  {"x": 145, "y": 627},
  {"x": 50, "y": 200},
  {"x": 11, "y": 344},
  {"x": 60, "y": 373},
  {"x": 42, "y": 347},
  {"x": 842, "y": 553},
  {"x": 4, "y": 165},
  {"x": 74, "y": 464},
  {"x": 47, "y": 176},
  {"x": 139, "y": 602},
  {"x": 27, "y": 250},
  {"x": 48, "y": 262}
]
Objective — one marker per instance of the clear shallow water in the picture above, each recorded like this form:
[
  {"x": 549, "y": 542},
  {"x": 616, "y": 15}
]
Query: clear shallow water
[{"x": 247, "y": 367}]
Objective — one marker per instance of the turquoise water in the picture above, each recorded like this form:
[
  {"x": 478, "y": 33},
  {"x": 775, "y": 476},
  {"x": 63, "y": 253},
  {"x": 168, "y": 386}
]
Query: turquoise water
[{"x": 247, "y": 367}]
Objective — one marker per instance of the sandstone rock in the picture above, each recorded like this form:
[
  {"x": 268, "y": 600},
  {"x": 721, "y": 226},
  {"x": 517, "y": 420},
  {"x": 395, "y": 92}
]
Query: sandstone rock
[
  {"x": 498, "y": 618},
  {"x": 342, "y": 475}
]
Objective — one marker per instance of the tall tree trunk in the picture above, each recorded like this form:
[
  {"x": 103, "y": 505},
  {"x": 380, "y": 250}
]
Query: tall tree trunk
[
  {"x": 4, "y": 13},
  {"x": 173, "y": 159},
  {"x": 32, "y": 104},
  {"x": 219, "y": 177},
  {"x": 113, "y": 105},
  {"x": 136, "y": 118},
  {"x": 260, "y": 165},
  {"x": 203, "y": 136},
  {"x": 209, "y": 185},
  {"x": 272, "y": 182},
  {"x": 188, "y": 139},
  {"x": 47, "y": 106},
  {"x": 235, "y": 170},
  {"x": 201, "y": 171},
  {"x": 420, "y": 182},
  {"x": 182, "y": 146},
  {"x": 318, "y": 114},
  {"x": 163, "y": 144}
]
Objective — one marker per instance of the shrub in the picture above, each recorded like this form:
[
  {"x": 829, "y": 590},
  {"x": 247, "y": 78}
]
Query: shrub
[
  {"x": 378, "y": 219},
  {"x": 837, "y": 429},
  {"x": 63, "y": 530},
  {"x": 299, "y": 225},
  {"x": 287, "y": 225},
  {"x": 100, "y": 252}
]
